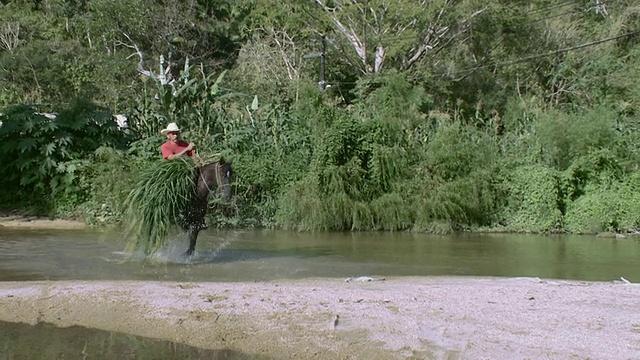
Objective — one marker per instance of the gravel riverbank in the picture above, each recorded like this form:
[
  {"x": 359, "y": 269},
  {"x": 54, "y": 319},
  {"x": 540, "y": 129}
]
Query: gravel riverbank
[{"x": 397, "y": 318}]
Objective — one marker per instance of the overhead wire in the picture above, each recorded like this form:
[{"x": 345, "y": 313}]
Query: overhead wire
[
  {"x": 531, "y": 21},
  {"x": 535, "y": 56},
  {"x": 550, "y": 53},
  {"x": 526, "y": 58}
]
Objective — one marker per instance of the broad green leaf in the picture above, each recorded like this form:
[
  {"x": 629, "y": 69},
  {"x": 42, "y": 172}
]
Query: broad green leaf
[
  {"x": 29, "y": 125},
  {"x": 49, "y": 126},
  {"x": 27, "y": 144},
  {"x": 24, "y": 165},
  {"x": 47, "y": 164},
  {"x": 216, "y": 85},
  {"x": 48, "y": 149}
]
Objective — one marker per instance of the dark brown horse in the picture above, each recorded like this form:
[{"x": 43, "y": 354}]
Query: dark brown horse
[{"x": 211, "y": 177}]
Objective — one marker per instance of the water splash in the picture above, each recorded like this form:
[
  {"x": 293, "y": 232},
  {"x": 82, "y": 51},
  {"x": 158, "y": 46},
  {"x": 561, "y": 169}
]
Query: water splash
[{"x": 174, "y": 253}]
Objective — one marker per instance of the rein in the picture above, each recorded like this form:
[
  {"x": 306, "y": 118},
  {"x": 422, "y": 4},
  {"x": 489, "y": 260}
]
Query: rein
[
  {"x": 205, "y": 182},
  {"x": 218, "y": 177}
]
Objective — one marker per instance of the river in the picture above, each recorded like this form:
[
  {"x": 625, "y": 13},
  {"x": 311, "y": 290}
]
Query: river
[{"x": 263, "y": 255}]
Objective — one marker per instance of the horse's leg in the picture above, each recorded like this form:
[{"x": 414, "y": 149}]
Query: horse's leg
[
  {"x": 194, "y": 225},
  {"x": 193, "y": 238},
  {"x": 196, "y": 214}
]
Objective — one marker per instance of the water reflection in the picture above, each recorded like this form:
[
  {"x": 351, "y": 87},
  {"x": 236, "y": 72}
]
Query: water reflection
[
  {"x": 269, "y": 255},
  {"x": 45, "y": 341}
]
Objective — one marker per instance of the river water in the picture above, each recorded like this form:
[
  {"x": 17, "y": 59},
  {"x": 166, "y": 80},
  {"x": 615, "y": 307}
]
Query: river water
[
  {"x": 271, "y": 255},
  {"x": 45, "y": 341},
  {"x": 262, "y": 255}
]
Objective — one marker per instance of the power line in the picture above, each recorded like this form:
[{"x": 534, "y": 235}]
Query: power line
[
  {"x": 543, "y": 18},
  {"x": 470, "y": 70},
  {"x": 554, "y": 52},
  {"x": 532, "y": 21}
]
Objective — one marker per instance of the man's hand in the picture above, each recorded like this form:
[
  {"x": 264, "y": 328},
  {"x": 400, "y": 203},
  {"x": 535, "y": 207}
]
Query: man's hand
[{"x": 182, "y": 152}]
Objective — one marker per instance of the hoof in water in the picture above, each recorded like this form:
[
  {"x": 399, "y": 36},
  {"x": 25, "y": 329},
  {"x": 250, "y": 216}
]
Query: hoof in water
[{"x": 188, "y": 254}]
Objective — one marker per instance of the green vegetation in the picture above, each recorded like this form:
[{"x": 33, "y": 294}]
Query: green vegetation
[{"x": 452, "y": 116}]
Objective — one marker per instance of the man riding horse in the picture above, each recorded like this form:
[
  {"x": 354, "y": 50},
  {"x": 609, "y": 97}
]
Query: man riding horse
[{"x": 210, "y": 177}]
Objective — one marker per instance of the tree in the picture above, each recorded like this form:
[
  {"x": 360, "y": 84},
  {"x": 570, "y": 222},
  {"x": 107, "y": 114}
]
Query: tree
[{"x": 404, "y": 31}]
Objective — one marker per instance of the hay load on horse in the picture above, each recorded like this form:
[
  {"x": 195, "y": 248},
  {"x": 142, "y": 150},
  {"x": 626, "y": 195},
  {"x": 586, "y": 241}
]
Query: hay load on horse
[{"x": 173, "y": 193}]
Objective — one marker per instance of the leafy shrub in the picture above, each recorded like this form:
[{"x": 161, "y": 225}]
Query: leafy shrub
[
  {"x": 46, "y": 157},
  {"x": 458, "y": 203},
  {"x": 390, "y": 212},
  {"x": 565, "y": 137},
  {"x": 457, "y": 151},
  {"x": 592, "y": 170},
  {"x": 112, "y": 175},
  {"x": 608, "y": 207},
  {"x": 533, "y": 197},
  {"x": 302, "y": 206}
]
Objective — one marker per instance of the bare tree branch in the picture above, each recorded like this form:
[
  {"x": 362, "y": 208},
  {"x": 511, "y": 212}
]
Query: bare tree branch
[
  {"x": 287, "y": 49},
  {"x": 433, "y": 37},
  {"x": 133, "y": 45},
  {"x": 10, "y": 36},
  {"x": 358, "y": 45},
  {"x": 601, "y": 8}
]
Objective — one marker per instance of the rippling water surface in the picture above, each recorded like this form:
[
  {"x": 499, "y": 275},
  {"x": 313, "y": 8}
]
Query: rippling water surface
[{"x": 268, "y": 255}]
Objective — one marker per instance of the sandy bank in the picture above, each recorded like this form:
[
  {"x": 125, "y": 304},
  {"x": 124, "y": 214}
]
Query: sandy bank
[
  {"x": 38, "y": 222},
  {"x": 400, "y": 318}
]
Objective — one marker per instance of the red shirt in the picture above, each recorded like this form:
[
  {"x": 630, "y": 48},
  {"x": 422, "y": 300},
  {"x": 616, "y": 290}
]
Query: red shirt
[{"x": 171, "y": 148}]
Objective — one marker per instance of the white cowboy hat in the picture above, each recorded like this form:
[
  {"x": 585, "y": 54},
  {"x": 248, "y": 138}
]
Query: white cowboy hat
[{"x": 170, "y": 128}]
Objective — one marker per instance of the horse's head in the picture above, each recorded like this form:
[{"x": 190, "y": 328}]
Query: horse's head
[{"x": 214, "y": 176}]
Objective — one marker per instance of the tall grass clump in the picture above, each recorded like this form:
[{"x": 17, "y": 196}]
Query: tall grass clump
[
  {"x": 158, "y": 202},
  {"x": 455, "y": 179},
  {"x": 302, "y": 206},
  {"x": 105, "y": 204}
]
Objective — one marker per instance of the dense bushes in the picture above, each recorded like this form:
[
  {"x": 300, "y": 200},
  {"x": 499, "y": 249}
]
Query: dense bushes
[
  {"x": 323, "y": 167},
  {"x": 471, "y": 130},
  {"x": 45, "y": 158},
  {"x": 370, "y": 171}
]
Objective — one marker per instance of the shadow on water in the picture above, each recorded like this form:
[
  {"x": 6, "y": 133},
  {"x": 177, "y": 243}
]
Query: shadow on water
[{"x": 46, "y": 341}]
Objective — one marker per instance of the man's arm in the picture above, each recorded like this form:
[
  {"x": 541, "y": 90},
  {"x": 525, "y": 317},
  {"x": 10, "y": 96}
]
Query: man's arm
[{"x": 168, "y": 155}]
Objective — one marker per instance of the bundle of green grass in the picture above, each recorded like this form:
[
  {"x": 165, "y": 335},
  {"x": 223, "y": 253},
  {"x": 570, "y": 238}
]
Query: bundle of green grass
[{"x": 154, "y": 206}]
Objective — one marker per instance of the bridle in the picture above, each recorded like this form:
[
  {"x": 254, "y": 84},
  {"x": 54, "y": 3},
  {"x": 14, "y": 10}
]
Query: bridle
[{"x": 218, "y": 178}]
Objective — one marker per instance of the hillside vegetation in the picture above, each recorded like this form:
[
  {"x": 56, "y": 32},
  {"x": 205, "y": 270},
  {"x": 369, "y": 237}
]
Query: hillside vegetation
[{"x": 429, "y": 116}]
